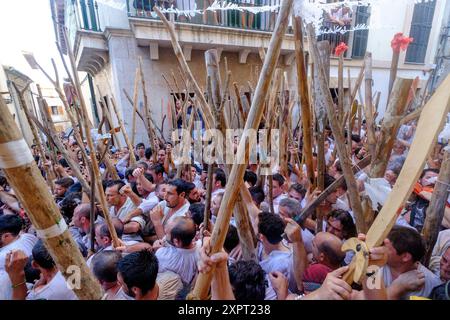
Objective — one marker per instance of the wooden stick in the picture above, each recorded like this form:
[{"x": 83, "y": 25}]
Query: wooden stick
[
  {"x": 135, "y": 106},
  {"x": 124, "y": 132},
  {"x": 48, "y": 172},
  {"x": 94, "y": 162},
  {"x": 203, "y": 282},
  {"x": 436, "y": 209},
  {"x": 147, "y": 122},
  {"x": 391, "y": 123},
  {"x": 427, "y": 131},
  {"x": 59, "y": 145},
  {"x": 341, "y": 87},
  {"x": 206, "y": 112},
  {"x": 309, "y": 209},
  {"x": 305, "y": 104},
  {"x": 30, "y": 188},
  {"x": 324, "y": 95},
  {"x": 393, "y": 71},
  {"x": 368, "y": 110}
]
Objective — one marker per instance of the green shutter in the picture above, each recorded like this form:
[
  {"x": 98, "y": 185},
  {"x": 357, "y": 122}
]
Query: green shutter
[{"x": 420, "y": 30}]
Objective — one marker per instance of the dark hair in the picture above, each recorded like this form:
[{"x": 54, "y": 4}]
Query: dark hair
[
  {"x": 220, "y": 176},
  {"x": 424, "y": 172},
  {"x": 140, "y": 144},
  {"x": 41, "y": 256},
  {"x": 278, "y": 178},
  {"x": 232, "y": 239},
  {"x": 180, "y": 184},
  {"x": 104, "y": 265},
  {"x": 149, "y": 177},
  {"x": 11, "y": 223},
  {"x": 250, "y": 177},
  {"x": 299, "y": 188},
  {"x": 328, "y": 180},
  {"x": 405, "y": 239},
  {"x": 356, "y": 138},
  {"x": 65, "y": 182},
  {"x": 271, "y": 226},
  {"x": 69, "y": 203},
  {"x": 345, "y": 218},
  {"x": 257, "y": 194},
  {"x": 144, "y": 164},
  {"x": 334, "y": 257},
  {"x": 64, "y": 163},
  {"x": 158, "y": 168},
  {"x": 139, "y": 269},
  {"x": 148, "y": 153},
  {"x": 119, "y": 183},
  {"x": 118, "y": 226},
  {"x": 31, "y": 274},
  {"x": 248, "y": 280},
  {"x": 3, "y": 181},
  {"x": 129, "y": 172},
  {"x": 197, "y": 212},
  {"x": 184, "y": 230}
]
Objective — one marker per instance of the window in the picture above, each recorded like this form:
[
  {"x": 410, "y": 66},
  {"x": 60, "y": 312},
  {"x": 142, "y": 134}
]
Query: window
[
  {"x": 54, "y": 110},
  {"x": 420, "y": 30}
]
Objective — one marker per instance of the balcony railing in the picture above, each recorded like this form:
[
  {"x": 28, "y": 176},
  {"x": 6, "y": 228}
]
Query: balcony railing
[
  {"x": 264, "y": 21},
  {"x": 343, "y": 18}
]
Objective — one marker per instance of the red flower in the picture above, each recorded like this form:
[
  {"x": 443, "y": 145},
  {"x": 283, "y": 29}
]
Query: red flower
[
  {"x": 340, "y": 49},
  {"x": 400, "y": 42}
]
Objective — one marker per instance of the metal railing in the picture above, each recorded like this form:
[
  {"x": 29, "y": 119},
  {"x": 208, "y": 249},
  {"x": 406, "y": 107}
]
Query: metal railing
[{"x": 264, "y": 21}]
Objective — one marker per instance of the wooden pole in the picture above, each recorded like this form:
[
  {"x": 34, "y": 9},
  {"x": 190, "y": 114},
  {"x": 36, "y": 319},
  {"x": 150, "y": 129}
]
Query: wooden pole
[
  {"x": 148, "y": 122},
  {"x": 50, "y": 176},
  {"x": 368, "y": 110},
  {"x": 124, "y": 132},
  {"x": 29, "y": 186},
  {"x": 206, "y": 112},
  {"x": 324, "y": 95},
  {"x": 391, "y": 123},
  {"x": 309, "y": 209},
  {"x": 203, "y": 282},
  {"x": 436, "y": 209},
  {"x": 135, "y": 106},
  {"x": 94, "y": 163},
  {"x": 393, "y": 71},
  {"x": 59, "y": 145},
  {"x": 305, "y": 103}
]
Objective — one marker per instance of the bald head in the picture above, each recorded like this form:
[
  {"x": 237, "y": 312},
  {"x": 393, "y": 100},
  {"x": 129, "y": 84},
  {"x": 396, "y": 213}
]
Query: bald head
[
  {"x": 183, "y": 232},
  {"x": 83, "y": 210},
  {"x": 327, "y": 249}
]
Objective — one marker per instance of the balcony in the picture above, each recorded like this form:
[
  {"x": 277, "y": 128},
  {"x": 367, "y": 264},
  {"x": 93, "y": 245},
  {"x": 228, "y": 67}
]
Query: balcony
[
  {"x": 85, "y": 35},
  {"x": 231, "y": 30}
]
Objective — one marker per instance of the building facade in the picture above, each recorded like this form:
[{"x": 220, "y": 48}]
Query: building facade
[{"x": 109, "y": 37}]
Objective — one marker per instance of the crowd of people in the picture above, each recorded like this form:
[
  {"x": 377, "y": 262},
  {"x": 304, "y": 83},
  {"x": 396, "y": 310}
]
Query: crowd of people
[{"x": 159, "y": 218}]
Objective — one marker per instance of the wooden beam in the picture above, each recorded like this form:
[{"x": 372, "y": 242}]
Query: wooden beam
[
  {"x": 203, "y": 282},
  {"x": 31, "y": 190}
]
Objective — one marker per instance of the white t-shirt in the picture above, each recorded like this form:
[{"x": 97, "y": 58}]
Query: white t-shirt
[
  {"x": 149, "y": 203},
  {"x": 5, "y": 286},
  {"x": 179, "y": 213},
  {"x": 180, "y": 261},
  {"x": 24, "y": 242},
  {"x": 56, "y": 289},
  {"x": 127, "y": 207}
]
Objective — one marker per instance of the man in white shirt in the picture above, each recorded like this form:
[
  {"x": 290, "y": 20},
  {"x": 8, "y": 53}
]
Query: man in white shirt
[
  {"x": 11, "y": 238},
  {"x": 403, "y": 274},
  {"x": 51, "y": 285},
  {"x": 174, "y": 205},
  {"x": 180, "y": 254},
  {"x": 120, "y": 206},
  {"x": 278, "y": 192},
  {"x": 219, "y": 182}
]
